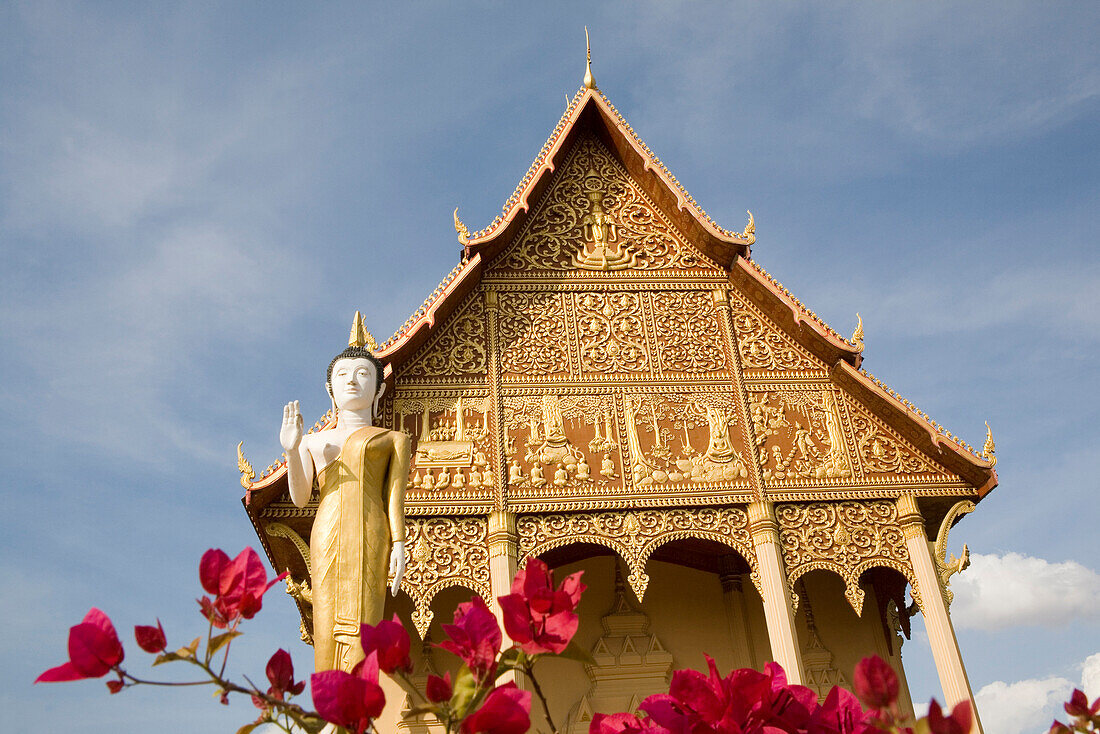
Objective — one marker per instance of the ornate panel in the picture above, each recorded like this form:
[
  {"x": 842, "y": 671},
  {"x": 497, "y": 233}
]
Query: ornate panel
[
  {"x": 562, "y": 444},
  {"x": 844, "y": 537},
  {"x": 799, "y": 435},
  {"x": 765, "y": 349},
  {"x": 688, "y": 335},
  {"x": 444, "y": 552},
  {"x": 678, "y": 438},
  {"x": 611, "y": 329},
  {"x": 533, "y": 334},
  {"x": 594, "y": 221},
  {"x": 452, "y": 444},
  {"x": 635, "y": 535},
  {"x": 457, "y": 352},
  {"x": 882, "y": 455}
]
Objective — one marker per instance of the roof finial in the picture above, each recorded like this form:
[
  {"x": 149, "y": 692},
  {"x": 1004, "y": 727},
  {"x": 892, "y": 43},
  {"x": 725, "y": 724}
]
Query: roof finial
[
  {"x": 589, "y": 80},
  {"x": 989, "y": 451},
  {"x": 359, "y": 336},
  {"x": 857, "y": 335},
  {"x": 463, "y": 232}
]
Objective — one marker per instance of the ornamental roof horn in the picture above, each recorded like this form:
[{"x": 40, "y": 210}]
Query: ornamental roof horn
[{"x": 589, "y": 80}]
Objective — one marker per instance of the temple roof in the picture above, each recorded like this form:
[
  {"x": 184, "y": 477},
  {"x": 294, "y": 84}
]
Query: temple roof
[{"x": 591, "y": 112}]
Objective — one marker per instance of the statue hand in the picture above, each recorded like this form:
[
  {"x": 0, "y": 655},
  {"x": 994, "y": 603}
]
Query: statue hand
[
  {"x": 290, "y": 435},
  {"x": 397, "y": 565}
]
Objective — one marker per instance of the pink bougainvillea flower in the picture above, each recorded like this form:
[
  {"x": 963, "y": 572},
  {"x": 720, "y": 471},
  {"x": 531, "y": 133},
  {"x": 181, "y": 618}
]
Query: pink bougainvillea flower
[
  {"x": 1078, "y": 705},
  {"x": 840, "y": 714},
  {"x": 704, "y": 703},
  {"x": 150, "y": 639},
  {"x": 391, "y": 640},
  {"x": 537, "y": 617},
  {"x": 475, "y": 637},
  {"x": 347, "y": 700},
  {"x": 506, "y": 710},
  {"x": 280, "y": 673},
  {"x": 623, "y": 724},
  {"x": 958, "y": 722},
  {"x": 438, "y": 689},
  {"x": 238, "y": 586},
  {"x": 94, "y": 649},
  {"x": 875, "y": 682}
]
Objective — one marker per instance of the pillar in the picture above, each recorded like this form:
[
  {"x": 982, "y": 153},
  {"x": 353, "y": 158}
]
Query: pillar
[
  {"x": 937, "y": 622},
  {"x": 503, "y": 556},
  {"x": 775, "y": 591},
  {"x": 733, "y": 595}
]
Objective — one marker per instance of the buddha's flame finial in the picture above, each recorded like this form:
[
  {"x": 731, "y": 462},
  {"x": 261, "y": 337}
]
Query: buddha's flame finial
[
  {"x": 463, "y": 231},
  {"x": 857, "y": 335},
  {"x": 589, "y": 80},
  {"x": 989, "y": 450},
  {"x": 359, "y": 336}
]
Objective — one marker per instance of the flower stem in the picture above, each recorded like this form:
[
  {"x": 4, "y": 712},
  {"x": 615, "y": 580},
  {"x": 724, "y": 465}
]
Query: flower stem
[{"x": 529, "y": 669}]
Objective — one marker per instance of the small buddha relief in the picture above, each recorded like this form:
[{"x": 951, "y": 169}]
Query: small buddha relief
[{"x": 602, "y": 247}]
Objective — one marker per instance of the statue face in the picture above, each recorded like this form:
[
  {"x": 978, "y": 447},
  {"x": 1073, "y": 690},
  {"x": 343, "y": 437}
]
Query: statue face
[{"x": 354, "y": 384}]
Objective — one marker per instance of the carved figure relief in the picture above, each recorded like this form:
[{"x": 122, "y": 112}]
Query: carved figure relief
[
  {"x": 444, "y": 552},
  {"x": 635, "y": 535},
  {"x": 561, "y": 441},
  {"x": 458, "y": 351},
  {"x": 844, "y": 537},
  {"x": 799, "y": 435},
  {"x": 452, "y": 442},
  {"x": 683, "y": 437},
  {"x": 595, "y": 220},
  {"x": 763, "y": 345}
]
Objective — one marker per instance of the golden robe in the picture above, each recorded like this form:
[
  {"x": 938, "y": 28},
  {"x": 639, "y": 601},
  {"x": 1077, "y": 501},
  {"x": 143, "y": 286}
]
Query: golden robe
[{"x": 360, "y": 513}]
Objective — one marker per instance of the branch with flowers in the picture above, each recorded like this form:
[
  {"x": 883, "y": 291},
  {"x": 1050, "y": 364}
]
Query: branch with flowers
[{"x": 482, "y": 697}]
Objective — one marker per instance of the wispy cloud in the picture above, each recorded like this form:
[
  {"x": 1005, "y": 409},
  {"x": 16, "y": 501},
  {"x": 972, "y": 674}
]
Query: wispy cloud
[
  {"x": 1022, "y": 707},
  {"x": 1013, "y": 590}
]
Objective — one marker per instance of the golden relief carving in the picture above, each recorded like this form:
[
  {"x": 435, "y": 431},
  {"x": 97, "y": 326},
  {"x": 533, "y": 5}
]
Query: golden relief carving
[
  {"x": 948, "y": 567},
  {"x": 444, "y": 552},
  {"x": 595, "y": 219},
  {"x": 612, "y": 330},
  {"x": 799, "y": 435},
  {"x": 533, "y": 333},
  {"x": 451, "y": 443},
  {"x": 688, "y": 335},
  {"x": 683, "y": 437},
  {"x": 881, "y": 450},
  {"x": 763, "y": 346},
  {"x": 458, "y": 350},
  {"x": 635, "y": 535},
  {"x": 844, "y": 537},
  {"x": 561, "y": 441}
]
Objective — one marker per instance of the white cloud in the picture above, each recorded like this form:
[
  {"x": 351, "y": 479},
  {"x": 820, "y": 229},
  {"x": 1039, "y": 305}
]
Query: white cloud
[
  {"x": 1090, "y": 676},
  {"x": 1024, "y": 706},
  {"x": 1001, "y": 591}
]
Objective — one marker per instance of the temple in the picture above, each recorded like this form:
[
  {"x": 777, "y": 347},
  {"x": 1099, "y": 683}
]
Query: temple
[{"x": 607, "y": 380}]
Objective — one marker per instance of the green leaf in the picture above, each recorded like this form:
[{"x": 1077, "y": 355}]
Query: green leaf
[
  {"x": 414, "y": 711},
  {"x": 578, "y": 653},
  {"x": 312, "y": 724},
  {"x": 247, "y": 729},
  {"x": 166, "y": 657},
  {"x": 219, "y": 641},
  {"x": 465, "y": 691},
  {"x": 511, "y": 659}
]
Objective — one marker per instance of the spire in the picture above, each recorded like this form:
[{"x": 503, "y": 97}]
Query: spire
[
  {"x": 589, "y": 80},
  {"x": 359, "y": 336}
]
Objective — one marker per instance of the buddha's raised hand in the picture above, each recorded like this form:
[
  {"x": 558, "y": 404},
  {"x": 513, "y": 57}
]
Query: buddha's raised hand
[{"x": 290, "y": 435}]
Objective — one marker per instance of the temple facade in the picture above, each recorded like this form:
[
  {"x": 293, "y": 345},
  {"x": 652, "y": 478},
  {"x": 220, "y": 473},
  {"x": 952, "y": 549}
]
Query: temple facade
[{"x": 608, "y": 381}]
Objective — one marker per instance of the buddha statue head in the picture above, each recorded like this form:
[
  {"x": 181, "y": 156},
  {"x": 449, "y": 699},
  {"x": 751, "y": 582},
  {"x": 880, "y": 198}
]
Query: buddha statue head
[{"x": 355, "y": 376}]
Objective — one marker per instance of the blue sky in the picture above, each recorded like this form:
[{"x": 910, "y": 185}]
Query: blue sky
[{"x": 193, "y": 200}]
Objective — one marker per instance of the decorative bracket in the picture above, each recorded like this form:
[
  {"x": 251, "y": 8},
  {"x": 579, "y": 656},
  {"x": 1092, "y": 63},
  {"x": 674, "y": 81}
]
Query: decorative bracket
[{"x": 949, "y": 567}]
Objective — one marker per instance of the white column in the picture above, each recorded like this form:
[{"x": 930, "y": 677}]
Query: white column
[
  {"x": 733, "y": 594},
  {"x": 776, "y": 592},
  {"x": 937, "y": 622}
]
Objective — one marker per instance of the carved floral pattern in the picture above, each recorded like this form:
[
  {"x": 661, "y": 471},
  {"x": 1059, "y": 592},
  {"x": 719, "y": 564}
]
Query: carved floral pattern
[
  {"x": 763, "y": 346},
  {"x": 844, "y": 537},
  {"x": 688, "y": 335},
  {"x": 555, "y": 237},
  {"x": 635, "y": 535},
  {"x": 881, "y": 451},
  {"x": 532, "y": 333},
  {"x": 612, "y": 332},
  {"x": 458, "y": 350},
  {"x": 444, "y": 552}
]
